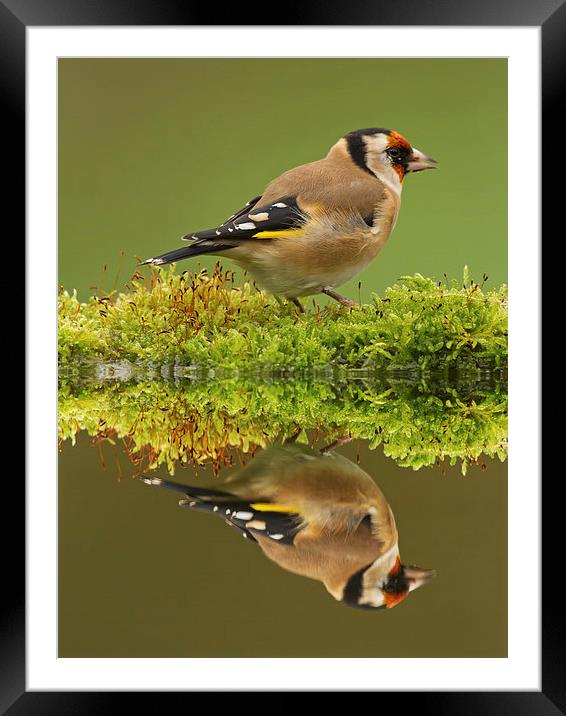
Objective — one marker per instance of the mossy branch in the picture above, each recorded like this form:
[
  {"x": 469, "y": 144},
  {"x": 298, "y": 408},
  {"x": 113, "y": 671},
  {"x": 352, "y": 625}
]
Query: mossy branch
[
  {"x": 205, "y": 321},
  {"x": 202, "y": 367}
]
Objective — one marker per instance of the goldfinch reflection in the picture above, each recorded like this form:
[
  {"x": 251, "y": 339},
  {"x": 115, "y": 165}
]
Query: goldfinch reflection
[{"x": 316, "y": 514}]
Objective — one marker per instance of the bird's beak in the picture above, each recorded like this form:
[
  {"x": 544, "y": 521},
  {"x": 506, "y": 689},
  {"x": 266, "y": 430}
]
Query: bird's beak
[
  {"x": 419, "y": 161},
  {"x": 417, "y": 576}
]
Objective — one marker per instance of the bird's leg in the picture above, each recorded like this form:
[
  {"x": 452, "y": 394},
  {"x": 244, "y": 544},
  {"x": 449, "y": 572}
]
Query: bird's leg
[
  {"x": 298, "y": 304},
  {"x": 337, "y": 297},
  {"x": 335, "y": 444},
  {"x": 294, "y": 435}
]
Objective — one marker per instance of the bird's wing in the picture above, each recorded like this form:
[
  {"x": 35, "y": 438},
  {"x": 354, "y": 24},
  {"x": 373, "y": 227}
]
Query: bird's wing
[
  {"x": 318, "y": 188},
  {"x": 248, "y": 206},
  {"x": 274, "y": 219},
  {"x": 278, "y": 522}
]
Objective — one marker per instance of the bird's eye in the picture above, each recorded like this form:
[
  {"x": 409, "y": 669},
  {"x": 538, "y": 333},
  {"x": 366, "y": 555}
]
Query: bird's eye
[{"x": 394, "y": 152}]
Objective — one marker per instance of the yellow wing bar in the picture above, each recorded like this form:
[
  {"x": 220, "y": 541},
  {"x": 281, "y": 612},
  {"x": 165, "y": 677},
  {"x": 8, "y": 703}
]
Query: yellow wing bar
[
  {"x": 283, "y": 234},
  {"x": 271, "y": 507}
]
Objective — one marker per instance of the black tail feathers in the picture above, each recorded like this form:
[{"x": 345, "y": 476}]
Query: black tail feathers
[
  {"x": 187, "y": 490},
  {"x": 197, "y": 249},
  {"x": 245, "y": 515}
]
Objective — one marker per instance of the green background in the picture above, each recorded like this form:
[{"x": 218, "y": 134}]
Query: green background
[{"x": 150, "y": 149}]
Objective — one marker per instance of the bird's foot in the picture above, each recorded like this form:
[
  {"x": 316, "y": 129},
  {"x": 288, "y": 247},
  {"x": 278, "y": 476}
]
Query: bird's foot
[
  {"x": 337, "y": 297},
  {"x": 298, "y": 304},
  {"x": 337, "y": 443}
]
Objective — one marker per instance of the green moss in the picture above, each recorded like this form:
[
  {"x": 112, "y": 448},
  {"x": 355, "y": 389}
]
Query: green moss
[
  {"x": 190, "y": 369},
  {"x": 204, "y": 321}
]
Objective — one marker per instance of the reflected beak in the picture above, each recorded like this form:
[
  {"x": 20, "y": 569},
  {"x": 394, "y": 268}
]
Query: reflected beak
[
  {"x": 417, "y": 576},
  {"x": 420, "y": 161}
]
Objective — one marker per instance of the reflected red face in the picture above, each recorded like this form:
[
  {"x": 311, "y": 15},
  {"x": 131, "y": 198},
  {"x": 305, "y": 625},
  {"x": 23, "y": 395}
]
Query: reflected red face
[{"x": 397, "y": 587}]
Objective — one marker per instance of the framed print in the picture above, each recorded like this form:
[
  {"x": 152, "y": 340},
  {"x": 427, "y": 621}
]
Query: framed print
[{"x": 338, "y": 397}]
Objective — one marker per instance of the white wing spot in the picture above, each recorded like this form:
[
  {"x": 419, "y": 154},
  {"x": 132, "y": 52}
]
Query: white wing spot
[
  {"x": 279, "y": 205},
  {"x": 256, "y": 525},
  {"x": 276, "y": 536},
  {"x": 246, "y": 226},
  {"x": 262, "y": 216},
  {"x": 243, "y": 515}
]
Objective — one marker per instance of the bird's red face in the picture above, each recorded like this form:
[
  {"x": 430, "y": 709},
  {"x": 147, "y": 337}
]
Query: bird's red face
[
  {"x": 386, "y": 154},
  {"x": 404, "y": 158}
]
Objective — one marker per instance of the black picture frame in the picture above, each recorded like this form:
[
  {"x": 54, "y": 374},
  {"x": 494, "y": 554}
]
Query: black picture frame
[{"x": 15, "y": 17}]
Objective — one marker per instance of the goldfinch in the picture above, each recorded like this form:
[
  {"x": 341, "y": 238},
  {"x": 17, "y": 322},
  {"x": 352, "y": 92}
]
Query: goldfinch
[
  {"x": 318, "y": 515},
  {"x": 318, "y": 225}
]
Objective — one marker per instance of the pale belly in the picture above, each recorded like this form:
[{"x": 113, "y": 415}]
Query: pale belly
[{"x": 299, "y": 267}]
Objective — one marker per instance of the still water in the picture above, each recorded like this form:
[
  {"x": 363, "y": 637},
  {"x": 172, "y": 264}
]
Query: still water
[{"x": 142, "y": 576}]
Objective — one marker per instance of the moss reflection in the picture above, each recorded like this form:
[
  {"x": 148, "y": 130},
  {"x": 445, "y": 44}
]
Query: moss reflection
[{"x": 193, "y": 422}]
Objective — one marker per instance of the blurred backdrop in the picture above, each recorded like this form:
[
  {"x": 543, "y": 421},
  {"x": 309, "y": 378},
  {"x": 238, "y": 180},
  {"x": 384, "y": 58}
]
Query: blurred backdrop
[{"x": 150, "y": 149}]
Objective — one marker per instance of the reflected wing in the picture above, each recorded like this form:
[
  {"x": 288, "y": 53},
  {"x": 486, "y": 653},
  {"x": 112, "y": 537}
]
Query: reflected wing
[{"x": 277, "y": 522}]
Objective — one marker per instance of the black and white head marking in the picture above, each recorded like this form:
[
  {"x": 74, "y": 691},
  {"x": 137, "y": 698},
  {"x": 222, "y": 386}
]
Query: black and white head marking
[
  {"x": 382, "y": 153},
  {"x": 357, "y": 145},
  {"x": 354, "y": 590}
]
